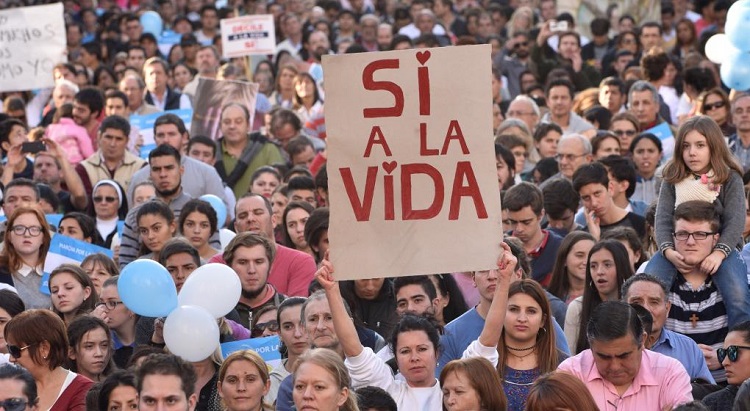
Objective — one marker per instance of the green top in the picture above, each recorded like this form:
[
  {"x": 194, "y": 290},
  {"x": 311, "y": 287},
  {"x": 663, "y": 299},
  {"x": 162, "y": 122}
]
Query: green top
[{"x": 268, "y": 155}]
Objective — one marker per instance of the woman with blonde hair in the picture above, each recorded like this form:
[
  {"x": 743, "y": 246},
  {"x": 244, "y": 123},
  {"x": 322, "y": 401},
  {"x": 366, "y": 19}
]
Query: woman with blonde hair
[
  {"x": 559, "y": 391},
  {"x": 243, "y": 382},
  {"x": 321, "y": 381}
]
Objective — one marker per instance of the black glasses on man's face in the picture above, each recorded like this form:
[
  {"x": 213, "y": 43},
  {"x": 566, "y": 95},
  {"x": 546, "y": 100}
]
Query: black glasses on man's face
[
  {"x": 16, "y": 351},
  {"x": 697, "y": 236},
  {"x": 14, "y": 404},
  {"x": 733, "y": 351}
]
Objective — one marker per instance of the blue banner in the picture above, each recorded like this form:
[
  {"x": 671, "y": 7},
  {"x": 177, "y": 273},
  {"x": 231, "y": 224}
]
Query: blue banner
[
  {"x": 66, "y": 250},
  {"x": 266, "y": 347}
]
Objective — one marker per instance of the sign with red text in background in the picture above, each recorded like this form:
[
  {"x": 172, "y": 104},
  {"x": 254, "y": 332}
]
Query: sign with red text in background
[
  {"x": 247, "y": 35},
  {"x": 411, "y": 162}
]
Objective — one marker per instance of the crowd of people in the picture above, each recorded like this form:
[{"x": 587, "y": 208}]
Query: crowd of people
[{"x": 623, "y": 164}]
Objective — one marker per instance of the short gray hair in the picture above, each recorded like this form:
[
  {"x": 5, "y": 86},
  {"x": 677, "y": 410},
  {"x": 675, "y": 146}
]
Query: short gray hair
[
  {"x": 528, "y": 100},
  {"x": 587, "y": 149},
  {"x": 643, "y": 85},
  {"x": 63, "y": 83}
]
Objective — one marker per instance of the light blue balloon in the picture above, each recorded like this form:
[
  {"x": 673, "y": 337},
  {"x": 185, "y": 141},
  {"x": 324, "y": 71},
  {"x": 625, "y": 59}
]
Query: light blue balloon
[
  {"x": 152, "y": 23},
  {"x": 218, "y": 206},
  {"x": 147, "y": 289},
  {"x": 738, "y": 20}
]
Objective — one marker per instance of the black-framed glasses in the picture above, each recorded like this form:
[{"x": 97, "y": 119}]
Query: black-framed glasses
[
  {"x": 259, "y": 328},
  {"x": 732, "y": 352},
  {"x": 99, "y": 199},
  {"x": 16, "y": 351},
  {"x": 33, "y": 231},
  {"x": 713, "y": 106},
  {"x": 110, "y": 305},
  {"x": 620, "y": 133},
  {"x": 697, "y": 235},
  {"x": 14, "y": 404}
]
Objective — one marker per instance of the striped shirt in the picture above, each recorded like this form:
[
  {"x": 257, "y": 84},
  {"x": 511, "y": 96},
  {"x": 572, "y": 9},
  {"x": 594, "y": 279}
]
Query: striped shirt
[{"x": 703, "y": 305}]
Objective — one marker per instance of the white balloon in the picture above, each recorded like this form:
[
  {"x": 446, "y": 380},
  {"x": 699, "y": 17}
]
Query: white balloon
[
  {"x": 225, "y": 236},
  {"x": 718, "y": 47},
  {"x": 191, "y": 332},
  {"x": 213, "y": 287}
]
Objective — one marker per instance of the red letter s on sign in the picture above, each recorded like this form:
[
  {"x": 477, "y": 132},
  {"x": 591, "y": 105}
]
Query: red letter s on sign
[{"x": 370, "y": 84}]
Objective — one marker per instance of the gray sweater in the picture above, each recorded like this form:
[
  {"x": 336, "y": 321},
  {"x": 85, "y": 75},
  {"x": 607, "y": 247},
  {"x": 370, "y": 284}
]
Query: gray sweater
[{"x": 730, "y": 204}]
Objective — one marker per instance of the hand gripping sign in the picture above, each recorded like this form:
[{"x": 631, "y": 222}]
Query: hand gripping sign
[{"x": 411, "y": 162}]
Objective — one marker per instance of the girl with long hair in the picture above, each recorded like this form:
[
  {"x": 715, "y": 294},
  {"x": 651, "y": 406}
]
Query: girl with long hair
[
  {"x": 198, "y": 222},
  {"x": 72, "y": 292},
  {"x": 293, "y": 220},
  {"x": 156, "y": 226},
  {"x": 26, "y": 242},
  {"x": 293, "y": 341},
  {"x": 90, "y": 348},
  {"x": 703, "y": 169},
  {"x": 569, "y": 272},
  {"x": 607, "y": 268}
]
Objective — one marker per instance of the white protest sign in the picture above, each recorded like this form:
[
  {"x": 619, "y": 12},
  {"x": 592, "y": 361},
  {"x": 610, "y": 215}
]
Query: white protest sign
[
  {"x": 411, "y": 162},
  {"x": 32, "y": 42},
  {"x": 246, "y": 35}
]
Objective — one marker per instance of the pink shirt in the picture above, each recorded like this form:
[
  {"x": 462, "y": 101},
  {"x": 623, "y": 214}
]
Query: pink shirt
[
  {"x": 662, "y": 383},
  {"x": 291, "y": 273}
]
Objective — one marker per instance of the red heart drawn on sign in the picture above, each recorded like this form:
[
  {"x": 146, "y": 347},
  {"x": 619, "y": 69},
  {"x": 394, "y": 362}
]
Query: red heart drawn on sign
[
  {"x": 389, "y": 167},
  {"x": 423, "y": 56}
]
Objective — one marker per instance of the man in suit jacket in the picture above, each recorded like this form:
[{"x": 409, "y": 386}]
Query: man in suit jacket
[{"x": 158, "y": 93}]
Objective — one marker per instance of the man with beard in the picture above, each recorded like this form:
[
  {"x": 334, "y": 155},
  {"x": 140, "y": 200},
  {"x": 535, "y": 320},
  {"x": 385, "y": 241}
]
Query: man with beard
[
  {"x": 739, "y": 143},
  {"x": 316, "y": 47},
  {"x": 291, "y": 270},
  {"x": 166, "y": 172},
  {"x": 207, "y": 60},
  {"x": 251, "y": 256},
  {"x": 88, "y": 105},
  {"x": 199, "y": 179},
  {"x": 514, "y": 60}
]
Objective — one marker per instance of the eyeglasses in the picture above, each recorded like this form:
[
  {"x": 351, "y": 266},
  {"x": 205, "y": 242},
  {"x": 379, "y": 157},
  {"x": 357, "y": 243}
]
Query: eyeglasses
[
  {"x": 16, "y": 351},
  {"x": 620, "y": 133},
  {"x": 568, "y": 157},
  {"x": 33, "y": 231},
  {"x": 520, "y": 113},
  {"x": 713, "y": 106},
  {"x": 733, "y": 351},
  {"x": 99, "y": 199},
  {"x": 272, "y": 325},
  {"x": 110, "y": 305},
  {"x": 697, "y": 236},
  {"x": 14, "y": 404}
]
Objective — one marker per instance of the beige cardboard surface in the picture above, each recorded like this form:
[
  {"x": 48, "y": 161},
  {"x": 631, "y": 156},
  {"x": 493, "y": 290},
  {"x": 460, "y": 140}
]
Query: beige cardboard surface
[{"x": 411, "y": 162}]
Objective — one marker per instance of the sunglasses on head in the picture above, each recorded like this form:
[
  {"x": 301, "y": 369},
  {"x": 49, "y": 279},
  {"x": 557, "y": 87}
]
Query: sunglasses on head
[
  {"x": 713, "y": 106},
  {"x": 732, "y": 352},
  {"x": 16, "y": 351},
  {"x": 14, "y": 404},
  {"x": 99, "y": 199}
]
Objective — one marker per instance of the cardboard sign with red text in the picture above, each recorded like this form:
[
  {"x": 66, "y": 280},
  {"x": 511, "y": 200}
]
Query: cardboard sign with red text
[{"x": 411, "y": 162}]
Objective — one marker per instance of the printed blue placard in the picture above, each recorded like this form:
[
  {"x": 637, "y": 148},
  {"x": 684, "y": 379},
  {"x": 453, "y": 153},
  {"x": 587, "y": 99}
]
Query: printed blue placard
[
  {"x": 64, "y": 249},
  {"x": 267, "y": 347},
  {"x": 662, "y": 131}
]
